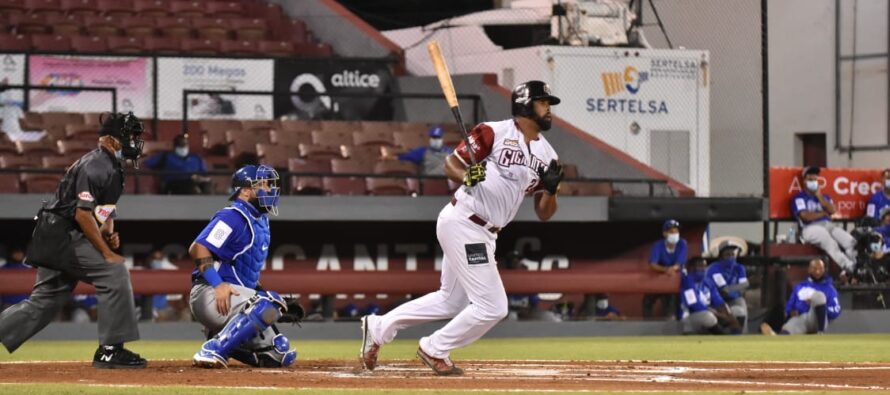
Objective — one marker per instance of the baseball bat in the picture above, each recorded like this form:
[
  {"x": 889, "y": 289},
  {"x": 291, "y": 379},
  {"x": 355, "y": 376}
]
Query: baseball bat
[{"x": 450, "y": 95}]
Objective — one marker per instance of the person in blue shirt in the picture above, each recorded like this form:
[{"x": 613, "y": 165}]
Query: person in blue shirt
[
  {"x": 667, "y": 257},
  {"x": 606, "y": 311},
  {"x": 432, "y": 157},
  {"x": 180, "y": 160},
  {"x": 226, "y": 297},
  {"x": 812, "y": 305},
  {"x": 703, "y": 311},
  {"x": 881, "y": 199},
  {"x": 16, "y": 262},
  {"x": 731, "y": 280},
  {"x": 813, "y": 210}
]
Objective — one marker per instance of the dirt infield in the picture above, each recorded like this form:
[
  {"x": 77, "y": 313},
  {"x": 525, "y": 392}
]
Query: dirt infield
[{"x": 483, "y": 375}]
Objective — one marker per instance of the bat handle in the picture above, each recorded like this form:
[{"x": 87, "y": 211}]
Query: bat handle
[{"x": 463, "y": 131}]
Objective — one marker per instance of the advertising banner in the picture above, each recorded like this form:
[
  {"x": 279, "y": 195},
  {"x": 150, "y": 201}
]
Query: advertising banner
[
  {"x": 348, "y": 83},
  {"x": 178, "y": 74},
  {"x": 12, "y": 72},
  {"x": 849, "y": 189},
  {"x": 131, "y": 76}
]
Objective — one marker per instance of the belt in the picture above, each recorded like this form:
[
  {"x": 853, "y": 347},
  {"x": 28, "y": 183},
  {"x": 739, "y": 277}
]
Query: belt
[{"x": 478, "y": 220}]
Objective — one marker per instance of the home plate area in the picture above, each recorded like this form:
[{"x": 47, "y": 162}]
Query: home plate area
[{"x": 484, "y": 375}]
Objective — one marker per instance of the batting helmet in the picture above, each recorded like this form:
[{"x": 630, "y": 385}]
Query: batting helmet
[
  {"x": 249, "y": 177},
  {"x": 527, "y": 92}
]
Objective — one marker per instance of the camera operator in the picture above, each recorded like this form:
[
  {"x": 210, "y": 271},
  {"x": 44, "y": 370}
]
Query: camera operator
[{"x": 872, "y": 263}]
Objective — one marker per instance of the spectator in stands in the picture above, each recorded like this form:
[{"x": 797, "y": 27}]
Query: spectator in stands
[
  {"x": 813, "y": 211},
  {"x": 165, "y": 307},
  {"x": 16, "y": 261},
  {"x": 812, "y": 305},
  {"x": 731, "y": 280},
  {"x": 12, "y": 115},
  {"x": 180, "y": 160},
  {"x": 668, "y": 257},
  {"x": 881, "y": 199},
  {"x": 432, "y": 157},
  {"x": 703, "y": 310}
]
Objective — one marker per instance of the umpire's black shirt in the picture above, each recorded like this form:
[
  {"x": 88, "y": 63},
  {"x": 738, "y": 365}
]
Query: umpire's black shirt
[{"x": 94, "y": 182}]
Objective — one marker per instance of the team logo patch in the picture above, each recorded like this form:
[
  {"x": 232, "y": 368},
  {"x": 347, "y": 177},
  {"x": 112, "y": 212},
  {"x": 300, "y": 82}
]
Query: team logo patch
[
  {"x": 476, "y": 254},
  {"x": 219, "y": 234},
  {"x": 85, "y": 196},
  {"x": 103, "y": 212},
  {"x": 514, "y": 143}
]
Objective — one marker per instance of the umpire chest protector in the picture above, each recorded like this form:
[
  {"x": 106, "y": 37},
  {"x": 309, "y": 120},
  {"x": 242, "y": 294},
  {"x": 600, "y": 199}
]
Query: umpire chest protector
[{"x": 248, "y": 262}]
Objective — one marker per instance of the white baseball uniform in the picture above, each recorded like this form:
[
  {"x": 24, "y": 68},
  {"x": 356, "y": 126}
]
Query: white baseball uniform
[{"x": 471, "y": 289}]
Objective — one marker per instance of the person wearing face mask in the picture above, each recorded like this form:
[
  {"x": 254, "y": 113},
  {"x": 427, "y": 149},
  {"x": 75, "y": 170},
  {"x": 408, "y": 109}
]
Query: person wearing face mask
[
  {"x": 881, "y": 199},
  {"x": 184, "y": 169},
  {"x": 812, "y": 305},
  {"x": 432, "y": 157},
  {"x": 667, "y": 258},
  {"x": 813, "y": 211},
  {"x": 731, "y": 280},
  {"x": 703, "y": 310},
  {"x": 74, "y": 240},
  {"x": 237, "y": 313}
]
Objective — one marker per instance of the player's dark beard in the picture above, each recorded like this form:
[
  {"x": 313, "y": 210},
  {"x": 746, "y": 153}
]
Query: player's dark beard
[
  {"x": 543, "y": 123},
  {"x": 255, "y": 202}
]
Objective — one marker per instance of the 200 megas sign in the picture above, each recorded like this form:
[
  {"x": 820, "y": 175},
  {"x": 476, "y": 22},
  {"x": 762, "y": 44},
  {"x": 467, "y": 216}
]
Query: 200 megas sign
[{"x": 850, "y": 189}]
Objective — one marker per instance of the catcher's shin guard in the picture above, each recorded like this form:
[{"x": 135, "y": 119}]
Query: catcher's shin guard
[{"x": 215, "y": 352}]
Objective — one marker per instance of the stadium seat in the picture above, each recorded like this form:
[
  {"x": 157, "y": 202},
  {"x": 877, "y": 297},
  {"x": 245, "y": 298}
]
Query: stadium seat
[
  {"x": 277, "y": 48},
  {"x": 239, "y": 47},
  {"x": 319, "y": 152},
  {"x": 50, "y": 43},
  {"x": 250, "y": 29},
  {"x": 9, "y": 183},
  {"x": 92, "y": 118},
  {"x": 221, "y": 184},
  {"x": 102, "y": 25},
  {"x": 241, "y": 147},
  {"x": 32, "y": 121},
  {"x": 36, "y": 148},
  {"x": 434, "y": 186},
  {"x": 391, "y": 152},
  {"x": 82, "y": 132},
  {"x": 14, "y": 42},
  {"x": 341, "y": 126},
  {"x": 303, "y": 126},
  {"x": 12, "y": 7},
  {"x": 417, "y": 127},
  {"x": 116, "y": 8},
  {"x": 332, "y": 137},
  {"x": 307, "y": 185},
  {"x": 162, "y": 45},
  {"x": 379, "y": 126},
  {"x": 66, "y": 25},
  {"x": 138, "y": 26},
  {"x": 79, "y": 7},
  {"x": 19, "y": 161},
  {"x": 369, "y": 154},
  {"x": 212, "y": 28},
  {"x": 293, "y": 30},
  {"x": 351, "y": 185},
  {"x": 126, "y": 44},
  {"x": 314, "y": 50},
  {"x": 218, "y": 162},
  {"x": 276, "y": 156},
  {"x": 89, "y": 44},
  {"x": 375, "y": 138},
  {"x": 188, "y": 9},
  {"x": 6, "y": 146},
  {"x": 396, "y": 168},
  {"x": 29, "y": 24},
  {"x": 214, "y": 140},
  {"x": 260, "y": 125},
  {"x": 225, "y": 9},
  {"x": 57, "y": 162},
  {"x": 174, "y": 26},
  {"x": 142, "y": 184},
  {"x": 249, "y": 137},
  {"x": 45, "y": 8},
  {"x": 200, "y": 46},
  {"x": 410, "y": 140},
  {"x": 75, "y": 147},
  {"x": 40, "y": 183},
  {"x": 291, "y": 138},
  {"x": 387, "y": 186},
  {"x": 153, "y": 147},
  {"x": 152, "y": 8}
]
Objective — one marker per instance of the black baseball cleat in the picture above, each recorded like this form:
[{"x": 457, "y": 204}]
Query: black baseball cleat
[{"x": 117, "y": 357}]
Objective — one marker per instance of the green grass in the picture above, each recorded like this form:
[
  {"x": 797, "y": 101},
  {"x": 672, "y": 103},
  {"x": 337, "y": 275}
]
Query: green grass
[{"x": 834, "y": 348}]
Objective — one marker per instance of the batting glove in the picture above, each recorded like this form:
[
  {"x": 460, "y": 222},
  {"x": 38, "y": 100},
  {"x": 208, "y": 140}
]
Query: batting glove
[
  {"x": 551, "y": 177},
  {"x": 474, "y": 174}
]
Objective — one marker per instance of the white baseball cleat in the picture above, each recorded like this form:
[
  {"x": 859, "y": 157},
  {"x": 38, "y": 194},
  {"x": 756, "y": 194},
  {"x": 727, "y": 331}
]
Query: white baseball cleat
[{"x": 209, "y": 360}]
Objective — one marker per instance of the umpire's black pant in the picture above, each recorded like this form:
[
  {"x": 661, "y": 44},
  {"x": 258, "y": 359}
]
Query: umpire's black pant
[{"x": 117, "y": 312}]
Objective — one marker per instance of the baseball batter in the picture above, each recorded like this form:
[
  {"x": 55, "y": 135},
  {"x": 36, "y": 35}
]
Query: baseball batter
[
  {"x": 238, "y": 315},
  {"x": 514, "y": 159}
]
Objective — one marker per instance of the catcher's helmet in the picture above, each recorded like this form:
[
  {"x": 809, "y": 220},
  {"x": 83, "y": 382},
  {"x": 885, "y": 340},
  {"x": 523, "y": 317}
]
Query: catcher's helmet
[
  {"x": 249, "y": 176},
  {"x": 527, "y": 92},
  {"x": 126, "y": 128}
]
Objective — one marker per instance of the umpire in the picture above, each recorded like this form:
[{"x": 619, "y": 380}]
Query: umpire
[{"x": 74, "y": 240}]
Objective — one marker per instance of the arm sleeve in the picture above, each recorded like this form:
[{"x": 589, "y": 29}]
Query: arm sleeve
[
  {"x": 88, "y": 183},
  {"x": 682, "y": 251},
  {"x": 212, "y": 276},
  {"x": 653, "y": 256},
  {"x": 152, "y": 161},
  {"x": 218, "y": 235},
  {"x": 202, "y": 166},
  {"x": 792, "y": 301},
  {"x": 481, "y": 141},
  {"x": 415, "y": 155},
  {"x": 716, "y": 299}
]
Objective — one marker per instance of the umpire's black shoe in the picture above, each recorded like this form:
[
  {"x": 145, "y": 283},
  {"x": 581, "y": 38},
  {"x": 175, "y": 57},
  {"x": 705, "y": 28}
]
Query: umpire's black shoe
[{"x": 117, "y": 357}]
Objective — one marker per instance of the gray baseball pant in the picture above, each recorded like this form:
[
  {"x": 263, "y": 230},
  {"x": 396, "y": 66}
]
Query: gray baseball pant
[
  {"x": 834, "y": 240},
  {"x": 806, "y": 322}
]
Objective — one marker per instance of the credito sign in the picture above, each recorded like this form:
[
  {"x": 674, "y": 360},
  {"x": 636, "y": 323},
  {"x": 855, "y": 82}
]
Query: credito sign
[{"x": 850, "y": 189}]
